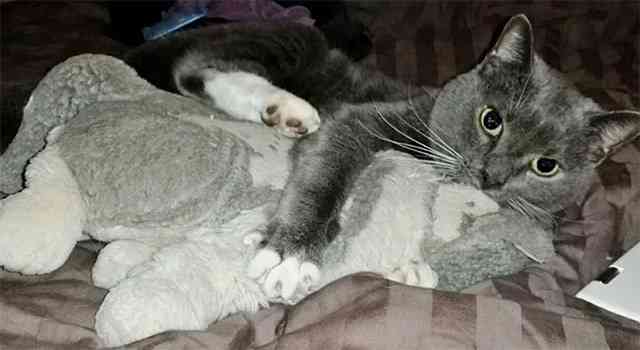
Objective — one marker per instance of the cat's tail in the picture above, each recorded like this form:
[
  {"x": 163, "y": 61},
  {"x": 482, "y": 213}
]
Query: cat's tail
[{"x": 276, "y": 51}]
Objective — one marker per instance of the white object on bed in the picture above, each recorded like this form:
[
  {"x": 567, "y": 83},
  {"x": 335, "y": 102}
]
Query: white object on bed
[{"x": 620, "y": 293}]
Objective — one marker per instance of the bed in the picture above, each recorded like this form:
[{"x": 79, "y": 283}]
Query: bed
[{"x": 595, "y": 44}]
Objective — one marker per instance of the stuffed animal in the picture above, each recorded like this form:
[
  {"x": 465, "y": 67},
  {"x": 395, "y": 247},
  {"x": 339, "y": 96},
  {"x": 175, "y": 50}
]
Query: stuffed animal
[{"x": 180, "y": 192}]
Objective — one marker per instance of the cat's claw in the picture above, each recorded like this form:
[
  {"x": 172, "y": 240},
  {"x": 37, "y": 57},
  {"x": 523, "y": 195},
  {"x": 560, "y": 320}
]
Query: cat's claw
[
  {"x": 415, "y": 274},
  {"x": 291, "y": 115},
  {"x": 283, "y": 279},
  {"x": 310, "y": 276}
]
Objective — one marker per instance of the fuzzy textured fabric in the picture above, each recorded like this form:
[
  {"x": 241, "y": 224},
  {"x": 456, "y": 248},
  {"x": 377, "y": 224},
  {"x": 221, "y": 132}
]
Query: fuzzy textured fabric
[{"x": 181, "y": 193}]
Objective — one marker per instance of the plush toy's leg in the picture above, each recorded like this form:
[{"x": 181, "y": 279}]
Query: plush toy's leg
[
  {"x": 40, "y": 225},
  {"x": 185, "y": 286},
  {"x": 117, "y": 259},
  {"x": 418, "y": 274}
]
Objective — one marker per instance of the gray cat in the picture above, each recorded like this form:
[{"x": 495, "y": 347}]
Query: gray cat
[{"x": 511, "y": 126}]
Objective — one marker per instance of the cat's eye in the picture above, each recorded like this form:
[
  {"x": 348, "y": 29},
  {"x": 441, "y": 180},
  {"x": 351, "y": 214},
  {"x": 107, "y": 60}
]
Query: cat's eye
[
  {"x": 490, "y": 121},
  {"x": 544, "y": 166}
]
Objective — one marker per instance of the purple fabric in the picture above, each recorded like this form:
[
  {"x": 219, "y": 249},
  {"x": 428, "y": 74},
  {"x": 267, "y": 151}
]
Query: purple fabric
[{"x": 248, "y": 10}]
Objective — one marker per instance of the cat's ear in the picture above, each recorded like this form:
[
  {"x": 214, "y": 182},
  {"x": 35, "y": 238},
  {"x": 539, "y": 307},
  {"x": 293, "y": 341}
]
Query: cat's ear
[
  {"x": 515, "y": 44},
  {"x": 613, "y": 130}
]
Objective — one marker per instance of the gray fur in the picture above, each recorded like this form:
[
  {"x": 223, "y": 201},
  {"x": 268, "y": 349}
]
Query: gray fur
[
  {"x": 543, "y": 113},
  {"x": 365, "y": 112},
  {"x": 543, "y": 116},
  {"x": 161, "y": 169},
  {"x": 59, "y": 101},
  {"x": 175, "y": 189}
]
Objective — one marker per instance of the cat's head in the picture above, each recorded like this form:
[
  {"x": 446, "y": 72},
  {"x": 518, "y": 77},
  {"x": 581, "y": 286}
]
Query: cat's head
[{"x": 520, "y": 132}]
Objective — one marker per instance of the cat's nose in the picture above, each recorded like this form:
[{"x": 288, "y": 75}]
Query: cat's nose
[
  {"x": 493, "y": 177},
  {"x": 489, "y": 181}
]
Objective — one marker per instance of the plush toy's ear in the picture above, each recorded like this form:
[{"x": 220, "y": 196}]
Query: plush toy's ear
[
  {"x": 515, "y": 44},
  {"x": 613, "y": 130}
]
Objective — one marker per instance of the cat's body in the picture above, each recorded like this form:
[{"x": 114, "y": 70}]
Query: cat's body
[{"x": 511, "y": 126}]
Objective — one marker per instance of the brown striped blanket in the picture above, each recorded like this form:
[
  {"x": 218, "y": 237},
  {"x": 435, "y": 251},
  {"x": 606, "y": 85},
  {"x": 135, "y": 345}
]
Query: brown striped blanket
[{"x": 597, "y": 44}]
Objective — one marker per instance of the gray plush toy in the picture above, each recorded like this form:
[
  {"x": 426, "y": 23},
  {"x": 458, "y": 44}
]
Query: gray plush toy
[{"x": 181, "y": 192}]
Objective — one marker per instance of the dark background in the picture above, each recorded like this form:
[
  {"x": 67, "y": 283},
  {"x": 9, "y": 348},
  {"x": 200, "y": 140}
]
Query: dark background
[
  {"x": 37, "y": 35},
  {"x": 595, "y": 43}
]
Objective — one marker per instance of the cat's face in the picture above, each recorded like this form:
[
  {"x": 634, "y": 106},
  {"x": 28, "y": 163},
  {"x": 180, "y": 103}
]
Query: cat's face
[{"x": 520, "y": 132}]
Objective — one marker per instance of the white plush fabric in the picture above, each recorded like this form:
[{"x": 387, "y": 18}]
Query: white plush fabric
[{"x": 40, "y": 225}]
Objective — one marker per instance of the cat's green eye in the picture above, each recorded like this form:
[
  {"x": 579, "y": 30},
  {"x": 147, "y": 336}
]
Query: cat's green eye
[
  {"x": 490, "y": 121},
  {"x": 544, "y": 166}
]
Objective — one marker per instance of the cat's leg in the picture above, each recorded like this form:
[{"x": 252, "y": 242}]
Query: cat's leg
[
  {"x": 307, "y": 217},
  {"x": 248, "y": 96},
  {"x": 40, "y": 225}
]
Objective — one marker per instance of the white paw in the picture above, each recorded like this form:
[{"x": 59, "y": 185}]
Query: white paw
[
  {"x": 309, "y": 276},
  {"x": 282, "y": 280},
  {"x": 264, "y": 261},
  {"x": 291, "y": 115},
  {"x": 415, "y": 274}
]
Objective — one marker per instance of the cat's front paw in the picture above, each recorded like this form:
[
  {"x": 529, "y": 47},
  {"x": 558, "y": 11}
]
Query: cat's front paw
[
  {"x": 290, "y": 115},
  {"x": 286, "y": 279},
  {"x": 415, "y": 274}
]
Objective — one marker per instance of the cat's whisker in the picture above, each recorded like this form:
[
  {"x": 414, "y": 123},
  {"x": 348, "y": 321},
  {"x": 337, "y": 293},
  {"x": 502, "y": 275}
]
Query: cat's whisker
[
  {"x": 557, "y": 218},
  {"x": 416, "y": 149},
  {"x": 439, "y": 141},
  {"x": 425, "y": 148},
  {"x": 426, "y": 91},
  {"x": 524, "y": 91},
  {"x": 540, "y": 214},
  {"x": 533, "y": 214},
  {"x": 437, "y": 164},
  {"x": 429, "y": 139},
  {"x": 520, "y": 202},
  {"x": 517, "y": 207},
  {"x": 436, "y": 139},
  {"x": 513, "y": 107},
  {"x": 379, "y": 113},
  {"x": 447, "y": 169},
  {"x": 546, "y": 216}
]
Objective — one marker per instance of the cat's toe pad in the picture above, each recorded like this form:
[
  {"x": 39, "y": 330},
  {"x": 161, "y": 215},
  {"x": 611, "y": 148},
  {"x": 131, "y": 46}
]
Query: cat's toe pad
[
  {"x": 283, "y": 279},
  {"x": 415, "y": 274},
  {"x": 291, "y": 115}
]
